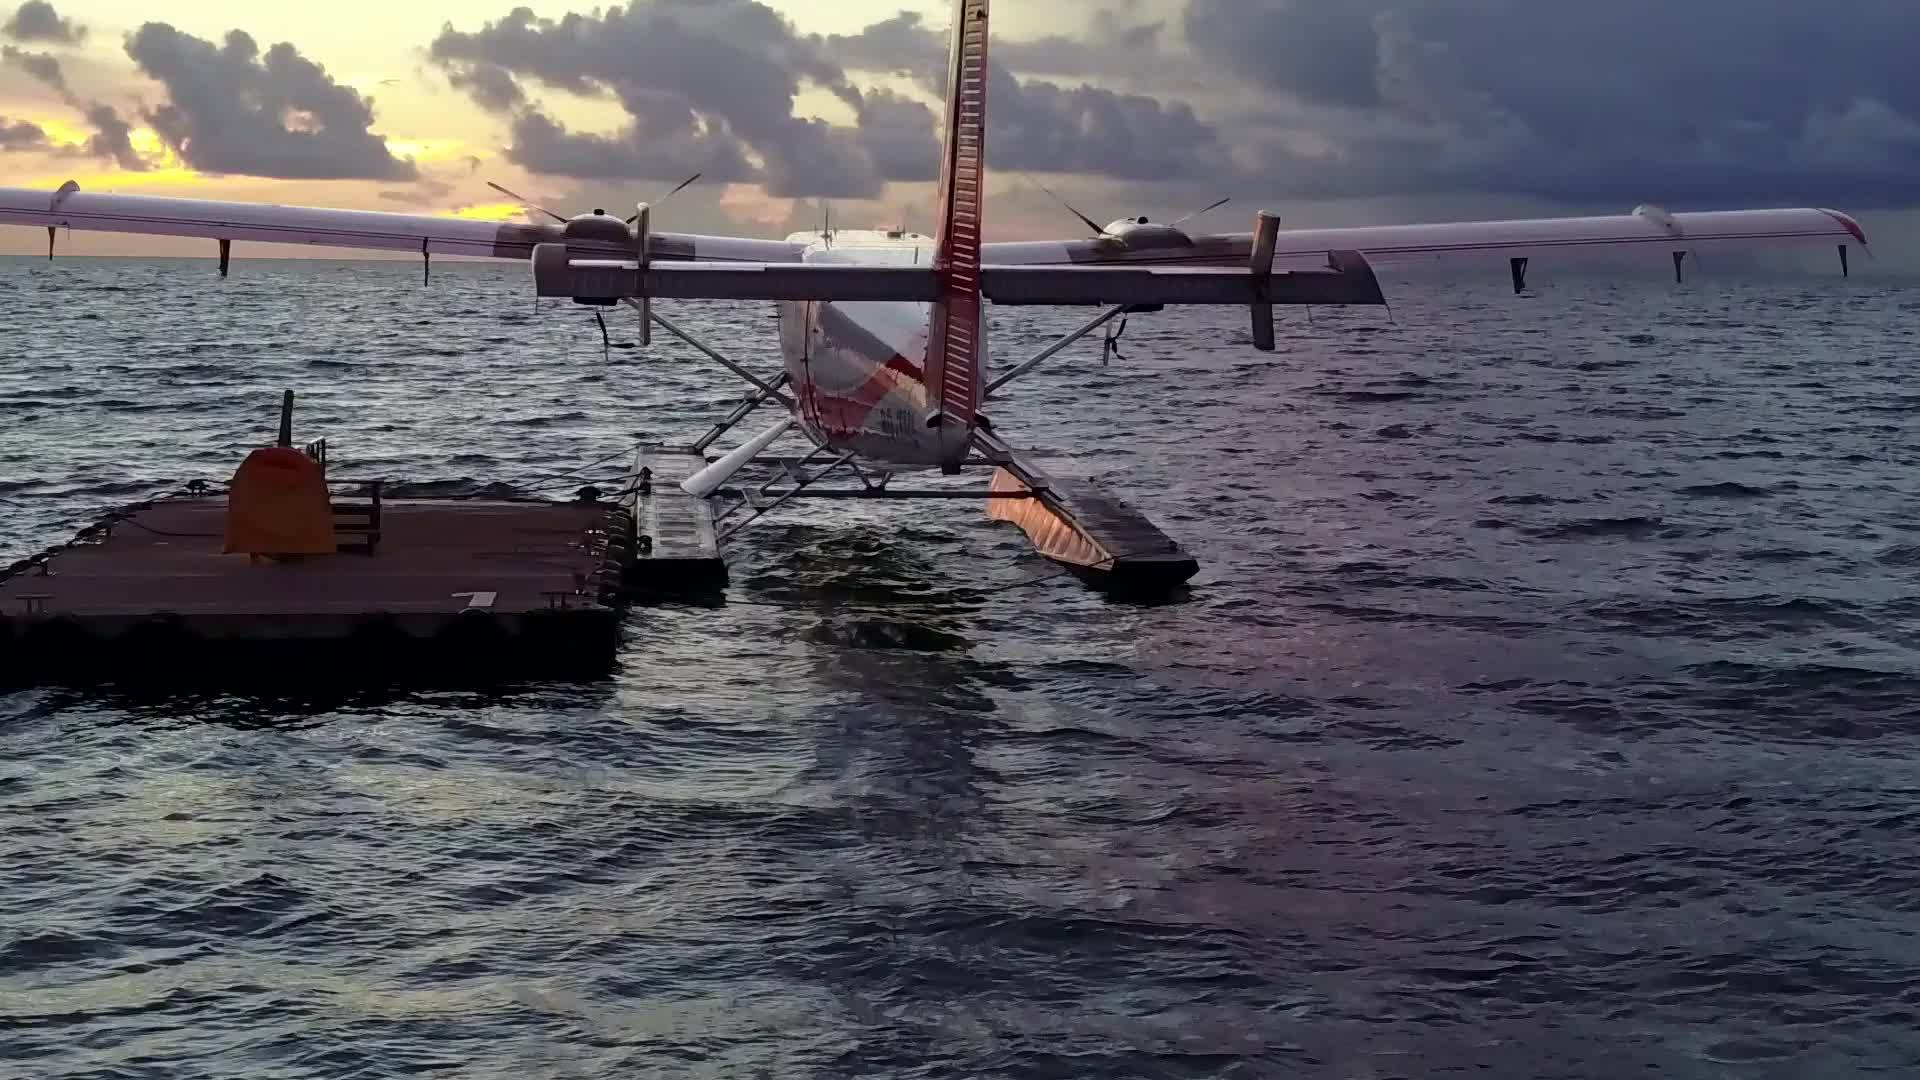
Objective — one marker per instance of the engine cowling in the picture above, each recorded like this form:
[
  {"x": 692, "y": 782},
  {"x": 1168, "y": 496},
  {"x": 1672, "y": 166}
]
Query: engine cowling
[
  {"x": 1141, "y": 234},
  {"x": 595, "y": 236}
]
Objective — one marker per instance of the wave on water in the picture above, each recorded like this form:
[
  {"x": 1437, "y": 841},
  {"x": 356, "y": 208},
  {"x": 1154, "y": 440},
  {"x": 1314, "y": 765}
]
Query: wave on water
[{"x": 1510, "y": 729}]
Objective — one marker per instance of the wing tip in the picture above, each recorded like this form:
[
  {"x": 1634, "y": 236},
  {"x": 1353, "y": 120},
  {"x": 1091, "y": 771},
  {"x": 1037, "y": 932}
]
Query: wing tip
[{"x": 1848, "y": 223}]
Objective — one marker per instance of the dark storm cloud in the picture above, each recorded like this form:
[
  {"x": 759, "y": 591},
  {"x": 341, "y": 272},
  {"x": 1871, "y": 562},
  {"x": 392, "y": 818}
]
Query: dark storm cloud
[
  {"x": 1716, "y": 102},
  {"x": 706, "y": 86},
  {"x": 1319, "y": 52},
  {"x": 36, "y": 20},
  {"x": 424, "y": 193},
  {"x": 112, "y": 138},
  {"x": 21, "y": 135},
  {"x": 901, "y": 134},
  {"x": 112, "y": 135},
  {"x": 491, "y": 86},
  {"x": 903, "y": 43},
  {"x": 543, "y": 144},
  {"x": 41, "y": 66},
  {"x": 231, "y": 109},
  {"x": 1109, "y": 46},
  {"x": 1045, "y": 126}
]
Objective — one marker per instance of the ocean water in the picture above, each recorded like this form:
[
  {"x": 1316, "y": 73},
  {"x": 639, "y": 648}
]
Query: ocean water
[{"x": 1548, "y": 705}]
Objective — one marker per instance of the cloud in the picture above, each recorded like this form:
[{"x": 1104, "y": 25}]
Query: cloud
[
  {"x": 544, "y": 145},
  {"x": 18, "y": 135},
  {"x": 1714, "y": 103},
  {"x": 425, "y": 192},
  {"x": 491, "y": 86},
  {"x": 903, "y": 44},
  {"x": 37, "y": 21},
  {"x": 233, "y": 109},
  {"x": 112, "y": 138},
  {"x": 1109, "y": 47},
  {"x": 706, "y": 87},
  {"x": 901, "y": 135},
  {"x": 1042, "y": 126},
  {"x": 712, "y": 87},
  {"x": 41, "y": 66},
  {"x": 1320, "y": 53}
]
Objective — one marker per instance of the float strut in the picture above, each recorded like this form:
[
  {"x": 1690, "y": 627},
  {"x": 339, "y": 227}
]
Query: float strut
[
  {"x": 1679, "y": 257},
  {"x": 226, "y": 255},
  {"x": 52, "y": 231},
  {"x": 1845, "y": 270},
  {"x": 1519, "y": 268},
  {"x": 426, "y": 264}
]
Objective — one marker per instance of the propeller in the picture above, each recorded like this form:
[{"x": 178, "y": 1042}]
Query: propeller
[
  {"x": 531, "y": 205},
  {"x": 639, "y": 237},
  {"x": 1202, "y": 210},
  {"x": 526, "y": 202},
  {"x": 1097, "y": 230},
  {"x": 678, "y": 188}
]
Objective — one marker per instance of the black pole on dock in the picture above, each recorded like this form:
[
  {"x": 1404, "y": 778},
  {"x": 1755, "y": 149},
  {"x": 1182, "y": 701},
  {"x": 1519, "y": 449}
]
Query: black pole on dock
[{"x": 286, "y": 419}]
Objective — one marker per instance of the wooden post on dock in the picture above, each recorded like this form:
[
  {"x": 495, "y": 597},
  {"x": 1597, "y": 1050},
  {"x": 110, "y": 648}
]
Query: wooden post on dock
[{"x": 286, "y": 419}]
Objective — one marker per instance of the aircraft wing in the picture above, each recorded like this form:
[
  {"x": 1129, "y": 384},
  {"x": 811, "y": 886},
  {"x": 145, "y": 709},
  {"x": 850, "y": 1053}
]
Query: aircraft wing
[
  {"x": 1647, "y": 227},
  {"x": 1343, "y": 278},
  {"x": 370, "y": 230}
]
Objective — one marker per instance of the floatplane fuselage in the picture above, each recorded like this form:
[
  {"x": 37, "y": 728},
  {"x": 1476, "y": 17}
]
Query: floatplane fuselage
[{"x": 857, "y": 369}]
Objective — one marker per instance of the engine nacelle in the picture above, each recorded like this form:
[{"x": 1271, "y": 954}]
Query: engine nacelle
[
  {"x": 1140, "y": 234},
  {"x": 555, "y": 275},
  {"x": 591, "y": 238}
]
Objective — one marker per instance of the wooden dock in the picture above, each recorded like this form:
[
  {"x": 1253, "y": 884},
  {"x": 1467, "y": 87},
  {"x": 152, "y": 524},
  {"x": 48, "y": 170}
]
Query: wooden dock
[
  {"x": 676, "y": 549},
  {"x": 451, "y": 586}
]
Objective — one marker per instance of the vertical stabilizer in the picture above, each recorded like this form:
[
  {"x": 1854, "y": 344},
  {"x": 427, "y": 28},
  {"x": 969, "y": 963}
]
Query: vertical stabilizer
[{"x": 953, "y": 344}]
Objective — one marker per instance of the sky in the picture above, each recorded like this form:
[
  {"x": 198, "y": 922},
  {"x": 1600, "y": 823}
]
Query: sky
[{"x": 1330, "y": 111}]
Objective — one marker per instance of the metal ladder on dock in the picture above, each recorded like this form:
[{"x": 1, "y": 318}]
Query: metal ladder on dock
[{"x": 356, "y": 524}]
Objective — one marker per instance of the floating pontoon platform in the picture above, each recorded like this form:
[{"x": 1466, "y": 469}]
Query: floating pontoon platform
[{"x": 468, "y": 589}]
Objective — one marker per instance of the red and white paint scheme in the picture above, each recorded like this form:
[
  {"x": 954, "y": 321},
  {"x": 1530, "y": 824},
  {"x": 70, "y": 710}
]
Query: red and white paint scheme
[{"x": 882, "y": 332}]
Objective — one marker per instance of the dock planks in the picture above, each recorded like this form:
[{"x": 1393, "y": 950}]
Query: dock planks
[{"x": 518, "y": 584}]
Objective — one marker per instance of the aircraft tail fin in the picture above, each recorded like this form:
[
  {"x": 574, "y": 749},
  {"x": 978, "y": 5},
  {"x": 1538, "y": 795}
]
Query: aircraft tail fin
[{"x": 953, "y": 347}]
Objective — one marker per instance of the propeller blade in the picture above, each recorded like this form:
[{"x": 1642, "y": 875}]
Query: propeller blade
[
  {"x": 684, "y": 185},
  {"x": 1202, "y": 210},
  {"x": 1097, "y": 230},
  {"x": 526, "y": 202}
]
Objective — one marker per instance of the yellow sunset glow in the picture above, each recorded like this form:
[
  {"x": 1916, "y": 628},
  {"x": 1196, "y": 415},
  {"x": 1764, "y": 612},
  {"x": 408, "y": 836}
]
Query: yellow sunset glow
[{"x": 504, "y": 211}]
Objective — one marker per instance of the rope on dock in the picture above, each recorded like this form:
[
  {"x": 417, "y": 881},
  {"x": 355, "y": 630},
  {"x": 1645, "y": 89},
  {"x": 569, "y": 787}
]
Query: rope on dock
[{"x": 104, "y": 524}]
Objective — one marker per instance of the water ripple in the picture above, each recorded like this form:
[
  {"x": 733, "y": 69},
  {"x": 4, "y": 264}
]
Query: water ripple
[{"x": 1547, "y": 707}]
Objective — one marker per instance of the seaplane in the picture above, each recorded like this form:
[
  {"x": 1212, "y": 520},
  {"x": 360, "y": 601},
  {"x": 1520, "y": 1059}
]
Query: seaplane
[{"x": 885, "y": 356}]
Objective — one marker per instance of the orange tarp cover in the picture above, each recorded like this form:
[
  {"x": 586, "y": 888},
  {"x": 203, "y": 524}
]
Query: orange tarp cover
[{"x": 278, "y": 505}]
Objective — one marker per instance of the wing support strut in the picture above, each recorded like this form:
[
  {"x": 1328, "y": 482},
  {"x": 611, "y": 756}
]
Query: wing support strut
[
  {"x": 1266, "y": 237},
  {"x": 801, "y": 481},
  {"x": 710, "y": 352},
  {"x": 1048, "y": 353}
]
